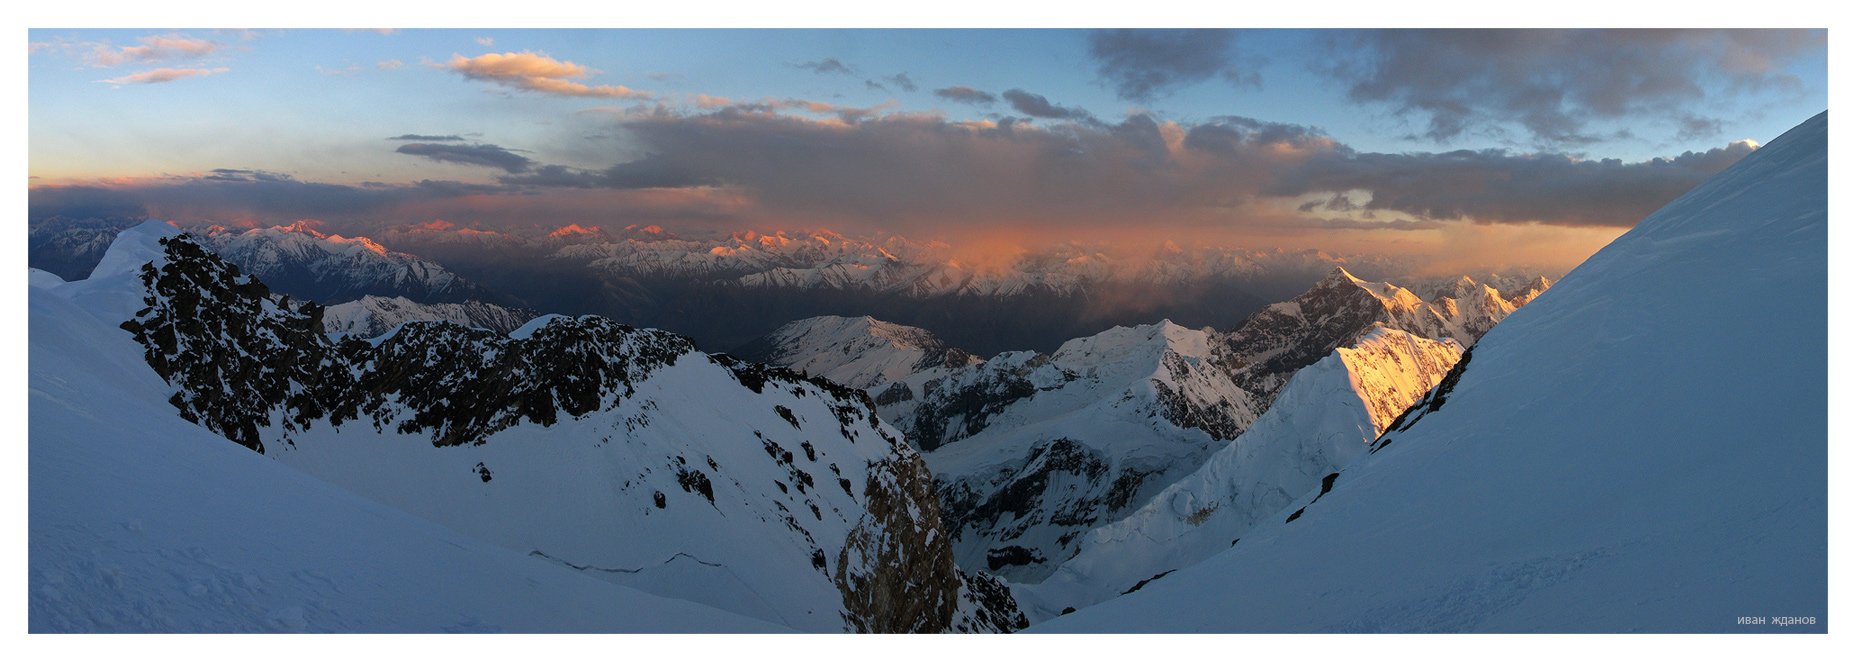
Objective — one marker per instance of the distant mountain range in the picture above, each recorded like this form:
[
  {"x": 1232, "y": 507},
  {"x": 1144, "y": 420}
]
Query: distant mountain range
[{"x": 727, "y": 289}]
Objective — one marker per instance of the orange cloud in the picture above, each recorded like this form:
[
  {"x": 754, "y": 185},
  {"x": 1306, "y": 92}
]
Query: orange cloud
[
  {"x": 536, "y": 72},
  {"x": 162, "y": 75}
]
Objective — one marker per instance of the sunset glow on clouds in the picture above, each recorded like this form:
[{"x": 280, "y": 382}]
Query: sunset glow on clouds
[
  {"x": 1134, "y": 137},
  {"x": 537, "y": 73}
]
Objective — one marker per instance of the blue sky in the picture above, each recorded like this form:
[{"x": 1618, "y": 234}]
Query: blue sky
[
  {"x": 317, "y": 106},
  {"x": 322, "y": 93}
]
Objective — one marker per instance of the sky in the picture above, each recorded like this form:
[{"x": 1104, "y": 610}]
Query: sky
[{"x": 1534, "y": 145}]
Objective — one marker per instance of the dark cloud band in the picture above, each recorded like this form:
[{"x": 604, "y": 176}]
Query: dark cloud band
[
  {"x": 490, "y": 156},
  {"x": 909, "y": 169}
]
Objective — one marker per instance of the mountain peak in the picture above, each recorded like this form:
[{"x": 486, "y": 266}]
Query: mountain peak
[
  {"x": 1338, "y": 276},
  {"x": 301, "y": 227}
]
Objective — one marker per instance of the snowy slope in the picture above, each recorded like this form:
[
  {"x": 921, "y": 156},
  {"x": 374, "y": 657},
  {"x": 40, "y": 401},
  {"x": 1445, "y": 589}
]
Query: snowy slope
[
  {"x": 621, "y": 453},
  {"x": 372, "y": 316},
  {"x": 1324, "y": 419},
  {"x": 140, "y": 522},
  {"x": 1619, "y": 455},
  {"x": 856, "y": 352}
]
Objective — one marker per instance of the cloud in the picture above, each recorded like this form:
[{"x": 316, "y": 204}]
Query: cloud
[
  {"x": 245, "y": 175},
  {"x": 921, "y": 166},
  {"x": 480, "y": 154},
  {"x": 1497, "y": 186},
  {"x": 649, "y": 172},
  {"x": 1359, "y": 224},
  {"x": 1554, "y": 84},
  {"x": 162, "y": 75},
  {"x": 389, "y": 65},
  {"x": 771, "y": 105},
  {"x": 1037, "y": 105},
  {"x": 780, "y": 163},
  {"x": 1144, "y": 64},
  {"x": 232, "y": 194},
  {"x": 966, "y": 95},
  {"x": 429, "y": 138},
  {"x": 151, "y": 49},
  {"x": 900, "y": 81},
  {"x": 536, "y": 72},
  {"x": 485, "y": 41},
  {"x": 1691, "y": 126},
  {"x": 826, "y": 66}
]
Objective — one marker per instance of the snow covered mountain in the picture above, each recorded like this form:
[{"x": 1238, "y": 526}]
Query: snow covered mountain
[
  {"x": 299, "y": 260},
  {"x": 576, "y": 441},
  {"x": 1274, "y": 343},
  {"x": 143, "y": 522},
  {"x": 1038, "y": 449},
  {"x": 857, "y": 352},
  {"x": 1617, "y": 456},
  {"x": 1039, "y": 456},
  {"x": 1325, "y": 418},
  {"x": 372, "y": 316}
]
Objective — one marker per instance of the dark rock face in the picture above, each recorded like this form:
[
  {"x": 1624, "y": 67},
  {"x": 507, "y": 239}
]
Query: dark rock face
[
  {"x": 1061, "y": 489},
  {"x": 242, "y": 359},
  {"x": 897, "y": 392},
  {"x": 1277, "y": 341},
  {"x": 970, "y": 405},
  {"x": 940, "y": 355},
  {"x": 910, "y": 584},
  {"x": 991, "y": 608}
]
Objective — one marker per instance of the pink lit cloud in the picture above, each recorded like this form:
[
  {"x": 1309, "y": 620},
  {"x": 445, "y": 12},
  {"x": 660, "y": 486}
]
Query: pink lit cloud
[{"x": 535, "y": 72}]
